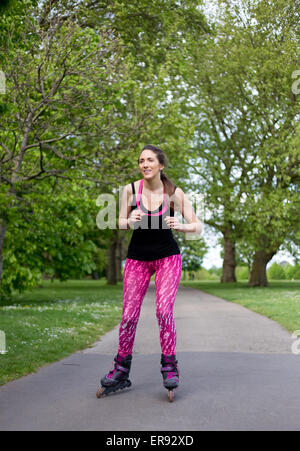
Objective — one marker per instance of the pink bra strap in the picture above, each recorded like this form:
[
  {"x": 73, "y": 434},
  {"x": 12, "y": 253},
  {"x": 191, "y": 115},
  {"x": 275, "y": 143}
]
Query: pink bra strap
[{"x": 139, "y": 196}]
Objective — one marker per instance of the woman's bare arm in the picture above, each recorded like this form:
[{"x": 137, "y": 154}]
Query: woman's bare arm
[
  {"x": 125, "y": 208},
  {"x": 127, "y": 219},
  {"x": 184, "y": 206}
]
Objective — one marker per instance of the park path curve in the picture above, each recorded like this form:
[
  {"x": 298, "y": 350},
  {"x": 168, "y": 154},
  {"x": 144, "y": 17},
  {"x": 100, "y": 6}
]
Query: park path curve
[{"x": 237, "y": 373}]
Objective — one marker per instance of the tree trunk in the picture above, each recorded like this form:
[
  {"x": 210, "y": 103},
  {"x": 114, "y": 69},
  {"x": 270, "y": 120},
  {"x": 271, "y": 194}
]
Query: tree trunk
[
  {"x": 258, "y": 274},
  {"x": 228, "y": 273},
  {"x": 3, "y": 228},
  {"x": 95, "y": 275}
]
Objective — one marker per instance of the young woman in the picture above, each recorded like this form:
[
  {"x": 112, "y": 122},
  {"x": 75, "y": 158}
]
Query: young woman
[{"x": 148, "y": 207}]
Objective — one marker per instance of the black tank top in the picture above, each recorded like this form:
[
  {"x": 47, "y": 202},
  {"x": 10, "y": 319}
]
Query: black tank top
[{"x": 151, "y": 239}]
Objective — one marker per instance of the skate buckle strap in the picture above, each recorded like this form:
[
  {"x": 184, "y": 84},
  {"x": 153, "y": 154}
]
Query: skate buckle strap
[
  {"x": 168, "y": 368},
  {"x": 122, "y": 368}
]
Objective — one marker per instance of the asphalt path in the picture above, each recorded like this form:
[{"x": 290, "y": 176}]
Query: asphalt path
[{"x": 237, "y": 373}]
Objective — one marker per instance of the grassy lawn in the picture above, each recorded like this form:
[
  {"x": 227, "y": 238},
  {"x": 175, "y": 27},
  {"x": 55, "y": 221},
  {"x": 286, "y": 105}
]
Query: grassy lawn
[
  {"x": 50, "y": 323},
  {"x": 280, "y": 301}
]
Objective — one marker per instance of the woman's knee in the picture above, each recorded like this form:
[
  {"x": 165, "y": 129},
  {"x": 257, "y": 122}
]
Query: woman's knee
[
  {"x": 129, "y": 319},
  {"x": 163, "y": 314}
]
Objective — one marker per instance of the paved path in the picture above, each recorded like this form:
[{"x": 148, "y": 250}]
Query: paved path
[{"x": 237, "y": 373}]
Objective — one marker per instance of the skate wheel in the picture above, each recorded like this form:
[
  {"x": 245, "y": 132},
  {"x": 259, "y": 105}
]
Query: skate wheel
[
  {"x": 171, "y": 395},
  {"x": 99, "y": 392}
]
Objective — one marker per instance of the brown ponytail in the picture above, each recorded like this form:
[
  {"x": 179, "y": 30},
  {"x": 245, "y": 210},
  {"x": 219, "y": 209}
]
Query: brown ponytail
[{"x": 169, "y": 185}]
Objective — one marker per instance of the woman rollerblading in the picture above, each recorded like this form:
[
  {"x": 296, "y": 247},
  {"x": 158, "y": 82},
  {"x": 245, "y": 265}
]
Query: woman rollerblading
[
  {"x": 170, "y": 373},
  {"x": 117, "y": 378},
  {"x": 148, "y": 207}
]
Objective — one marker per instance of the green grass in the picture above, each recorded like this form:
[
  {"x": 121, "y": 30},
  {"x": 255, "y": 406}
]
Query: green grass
[
  {"x": 280, "y": 301},
  {"x": 50, "y": 323}
]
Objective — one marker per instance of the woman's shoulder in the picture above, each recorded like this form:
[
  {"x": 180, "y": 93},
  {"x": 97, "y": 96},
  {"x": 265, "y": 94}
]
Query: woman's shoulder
[
  {"x": 136, "y": 184},
  {"x": 129, "y": 185},
  {"x": 177, "y": 197},
  {"x": 129, "y": 189},
  {"x": 178, "y": 192}
]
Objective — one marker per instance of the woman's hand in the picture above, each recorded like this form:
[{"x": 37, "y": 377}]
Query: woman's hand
[
  {"x": 173, "y": 223},
  {"x": 134, "y": 217}
]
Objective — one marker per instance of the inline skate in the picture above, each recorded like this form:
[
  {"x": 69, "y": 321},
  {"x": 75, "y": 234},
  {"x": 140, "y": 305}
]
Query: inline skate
[
  {"x": 170, "y": 373},
  {"x": 117, "y": 378}
]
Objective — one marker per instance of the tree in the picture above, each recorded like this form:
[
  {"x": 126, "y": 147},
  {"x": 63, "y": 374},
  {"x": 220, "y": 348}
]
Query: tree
[
  {"x": 58, "y": 81},
  {"x": 85, "y": 88},
  {"x": 247, "y": 122}
]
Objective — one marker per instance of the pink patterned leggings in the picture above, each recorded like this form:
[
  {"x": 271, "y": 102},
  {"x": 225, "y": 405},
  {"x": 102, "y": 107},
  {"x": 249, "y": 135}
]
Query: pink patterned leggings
[{"x": 136, "y": 280}]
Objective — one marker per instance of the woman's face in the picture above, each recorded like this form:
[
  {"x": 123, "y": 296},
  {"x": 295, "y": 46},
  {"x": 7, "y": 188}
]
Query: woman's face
[{"x": 149, "y": 164}]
